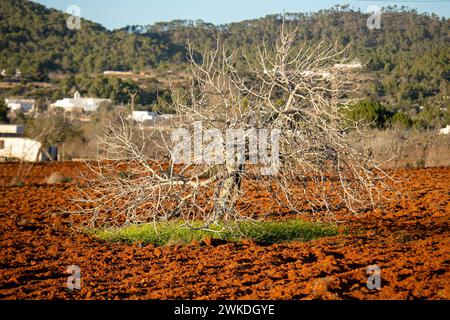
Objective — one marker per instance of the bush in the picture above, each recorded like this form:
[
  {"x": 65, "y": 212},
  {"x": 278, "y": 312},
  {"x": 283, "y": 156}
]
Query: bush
[
  {"x": 67, "y": 180},
  {"x": 401, "y": 120},
  {"x": 419, "y": 124},
  {"x": 369, "y": 113},
  {"x": 420, "y": 163},
  {"x": 431, "y": 117}
]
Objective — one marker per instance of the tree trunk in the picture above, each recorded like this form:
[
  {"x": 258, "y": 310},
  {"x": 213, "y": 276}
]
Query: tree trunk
[{"x": 228, "y": 193}]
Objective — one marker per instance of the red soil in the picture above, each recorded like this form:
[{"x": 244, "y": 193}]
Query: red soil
[{"x": 409, "y": 240}]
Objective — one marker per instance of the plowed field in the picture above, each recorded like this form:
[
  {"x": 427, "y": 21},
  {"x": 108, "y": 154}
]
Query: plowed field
[{"x": 409, "y": 240}]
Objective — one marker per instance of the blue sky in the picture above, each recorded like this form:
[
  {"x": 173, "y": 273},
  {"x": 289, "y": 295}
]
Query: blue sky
[{"x": 119, "y": 13}]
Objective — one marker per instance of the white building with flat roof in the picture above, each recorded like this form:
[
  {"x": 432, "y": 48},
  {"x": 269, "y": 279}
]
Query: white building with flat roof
[
  {"x": 445, "y": 131},
  {"x": 77, "y": 103},
  {"x": 118, "y": 73},
  {"x": 21, "y": 105},
  {"x": 13, "y": 145},
  {"x": 12, "y": 129},
  {"x": 143, "y": 116}
]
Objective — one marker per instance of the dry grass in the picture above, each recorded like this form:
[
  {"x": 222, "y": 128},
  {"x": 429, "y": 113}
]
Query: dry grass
[{"x": 409, "y": 148}]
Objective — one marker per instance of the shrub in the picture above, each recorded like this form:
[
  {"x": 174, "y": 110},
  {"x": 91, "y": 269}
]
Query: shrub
[
  {"x": 431, "y": 117},
  {"x": 401, "y": 120},
  {"x": 67, "y": 180},
  {"x": 370, "y": 113},
  {"x": 420, "y": 163}
]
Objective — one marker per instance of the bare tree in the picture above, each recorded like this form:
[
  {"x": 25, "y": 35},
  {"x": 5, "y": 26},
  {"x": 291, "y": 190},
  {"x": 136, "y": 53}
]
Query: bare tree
[
  {"x": 281, "y": 126},
  {"x": 52, "y": 128}
]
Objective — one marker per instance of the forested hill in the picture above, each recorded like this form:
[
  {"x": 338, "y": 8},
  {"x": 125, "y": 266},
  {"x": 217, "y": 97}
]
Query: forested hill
[
  {"x": 405, "y": 38},
  {"x": 408, "y": 57},
  {"x": 36, "y": 40}
]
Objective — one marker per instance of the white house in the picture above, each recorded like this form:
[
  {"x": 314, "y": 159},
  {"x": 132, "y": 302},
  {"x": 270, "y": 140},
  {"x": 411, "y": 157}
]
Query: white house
[
  {"x": 320, "y": 73},
  {"x": 14, "y": 145},
  {"x": 79, "y": 103},
  {"x": 355, "y": 64},
  {"x": 445, "y": 131},
  {"x": 12, "y": 129},
  {"x": 143, "y": 116},
  {"x": 21, "y": 105},
  {"x": 117, "y": 73}
]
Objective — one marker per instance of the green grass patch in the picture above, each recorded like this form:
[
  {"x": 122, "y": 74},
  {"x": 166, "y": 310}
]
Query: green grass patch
[{"x": 175, "y": 232}]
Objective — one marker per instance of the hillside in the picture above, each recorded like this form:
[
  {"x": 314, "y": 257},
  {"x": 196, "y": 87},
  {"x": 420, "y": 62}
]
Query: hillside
[
  {"x": 408, "y": 59},
  {"x": 37, "y": 41}
]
